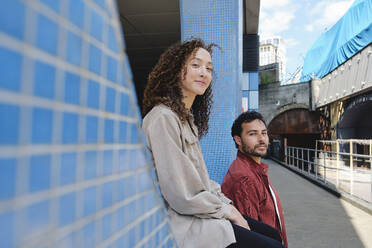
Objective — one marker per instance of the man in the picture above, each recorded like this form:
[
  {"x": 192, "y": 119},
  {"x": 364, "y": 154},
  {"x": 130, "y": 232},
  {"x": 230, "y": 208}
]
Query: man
[{"x": 247, "y": 183}]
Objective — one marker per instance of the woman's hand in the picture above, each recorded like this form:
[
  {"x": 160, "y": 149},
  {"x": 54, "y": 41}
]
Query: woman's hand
[{"x": 238, "y": 219}]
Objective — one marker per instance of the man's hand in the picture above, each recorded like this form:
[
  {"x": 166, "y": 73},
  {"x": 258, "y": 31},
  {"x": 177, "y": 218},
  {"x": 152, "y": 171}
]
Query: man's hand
[{"x": 238, "y": 219}]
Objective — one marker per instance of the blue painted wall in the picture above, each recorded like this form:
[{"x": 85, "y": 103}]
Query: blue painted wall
[
  {"x": 219, "y": 21},
  {"x": 74, "y": 171}
]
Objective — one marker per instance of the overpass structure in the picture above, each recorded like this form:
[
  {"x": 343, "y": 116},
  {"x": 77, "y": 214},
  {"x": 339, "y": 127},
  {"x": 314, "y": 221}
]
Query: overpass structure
[{"x": 336, "y": 88}]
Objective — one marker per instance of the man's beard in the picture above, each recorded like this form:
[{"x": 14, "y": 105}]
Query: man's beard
[{"x": 252, "y": 152}]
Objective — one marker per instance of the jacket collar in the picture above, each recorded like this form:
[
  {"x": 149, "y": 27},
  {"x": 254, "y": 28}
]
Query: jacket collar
[{"x": 262, "y": 167}]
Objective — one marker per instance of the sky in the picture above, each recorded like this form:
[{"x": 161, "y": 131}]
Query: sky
[{"x": 299, "y": 23}]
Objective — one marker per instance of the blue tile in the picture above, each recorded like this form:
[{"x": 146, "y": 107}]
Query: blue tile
[
  {"x": 6, "y": 229},
  {"x": 39, "y": 173},
  {"x": 44, "y": 80},
  {"x": 70, "y": 128},
  {"x": 122, "y": 163},
  {"x": 9, "y": 124},
  {"x": 95, "y": 59},
  {"x": 124, "y": 104},
  {"x": 132, "y": 237},
  {"x": 120, "y": 184},
  {"x": 130, "y": 187},
  {"x": 68, "y": 168},
  {"x": 52, "y": 4},
  {"x": 141, "y": 229},
  {"x": 42, "y": 125},
  {"x": 67, "y": 241},
  {"x": 106, "y": 226},
  {"x": 67, "y": 205},
  {"x": 123, "y": 78},
  {"x": 107, "y": 163},
  {"x": 12, "y": 24},
  {"x": 72, "y": 88},
  {"x": 91, "y": 129},
  {"x": 89, "y": 196},
  {"x": 131, "y": 208},
  {"x": 121, "y": 242},
  {"x": 47, "y": 35},
  {"x": 38, "y": 217},
  {"x": 110, "y": 99},
  {"x": 107, "y": 192},
  {"x": 109, "y": 131},
  {"x": 93, "y": 94},
  {"x": 10, "y": 69},
  {"x": 144, "y": 182},
  {"x": 140, "y": 209},
  {"x": 74, "y": 48},
  {"x": 96, "y": 25},
  {"x": 253, "y": 80},
  {"x": 112, "y": 41},
  {"x": 128, "y": 70},
  {"x": 140, "y": 158},
  {"x": 76, "y": 12},
  {"x": 133, "y": 133},
  {"x": 90, "y": 166},
  {"x": 7, "y": 178},
  {"x": 101, "y": 3},
  {"x": 112, "y": 69},
  {"x": 89, "y": 235}
]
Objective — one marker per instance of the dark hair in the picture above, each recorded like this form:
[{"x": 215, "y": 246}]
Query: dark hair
[
  {"x": 249, "y": 116},
  {"x": 164, "y": 81}
]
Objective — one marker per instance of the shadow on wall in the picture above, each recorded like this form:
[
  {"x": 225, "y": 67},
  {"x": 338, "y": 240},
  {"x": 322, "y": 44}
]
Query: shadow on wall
[{"x": 73, "y": 167}]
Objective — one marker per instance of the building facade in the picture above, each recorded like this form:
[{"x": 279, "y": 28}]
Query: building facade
[{"x": 272, "y": 50}]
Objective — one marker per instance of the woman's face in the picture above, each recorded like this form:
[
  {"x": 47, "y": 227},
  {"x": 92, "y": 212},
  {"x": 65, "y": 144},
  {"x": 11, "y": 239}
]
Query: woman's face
[{"x": 198, "y": 74}]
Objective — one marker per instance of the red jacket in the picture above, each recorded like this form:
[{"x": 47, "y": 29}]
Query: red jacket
[{"x": 247, "y": 185}]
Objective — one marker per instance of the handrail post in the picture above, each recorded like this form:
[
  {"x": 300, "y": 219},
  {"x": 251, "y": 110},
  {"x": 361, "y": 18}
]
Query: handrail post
[
  {"x": 337, "y": 164},
  {"x": 308, "y": 161},
  {"x": 285, "y": 151},
  {"x": 302, "y": 159},
  {"x": 316, "y": 160},
  {"x": 297, "y": 162},
  {"x": 370, "y": 162},
  {"x": 351, "y": 167},
  {"x": 324, "y": 165},
  {"x": 292, "y": 156}
]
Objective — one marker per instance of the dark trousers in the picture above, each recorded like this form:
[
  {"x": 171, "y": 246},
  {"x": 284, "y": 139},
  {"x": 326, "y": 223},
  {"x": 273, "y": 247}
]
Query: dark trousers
[{"x": 260, "y": 236}]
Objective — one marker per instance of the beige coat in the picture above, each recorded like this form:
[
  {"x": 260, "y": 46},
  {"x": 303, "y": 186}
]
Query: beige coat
[{"x": 196, "y": 207}]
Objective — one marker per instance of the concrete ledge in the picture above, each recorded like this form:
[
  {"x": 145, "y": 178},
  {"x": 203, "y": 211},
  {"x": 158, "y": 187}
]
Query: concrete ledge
[{"x": 363, "y": 205}]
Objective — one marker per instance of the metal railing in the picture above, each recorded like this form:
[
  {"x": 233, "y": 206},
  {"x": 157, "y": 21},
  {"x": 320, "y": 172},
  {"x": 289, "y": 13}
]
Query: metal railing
[{"x": 336, "y": 165}]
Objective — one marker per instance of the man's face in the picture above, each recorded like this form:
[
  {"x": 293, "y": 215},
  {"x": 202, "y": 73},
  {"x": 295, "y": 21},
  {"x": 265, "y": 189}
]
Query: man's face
[{"x": 254, "y": 139}]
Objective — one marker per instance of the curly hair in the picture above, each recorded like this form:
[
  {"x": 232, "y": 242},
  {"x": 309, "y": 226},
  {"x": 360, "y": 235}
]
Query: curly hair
[
  {"x": 248, "y": 116},
  {"x": 164, "y": 84}
]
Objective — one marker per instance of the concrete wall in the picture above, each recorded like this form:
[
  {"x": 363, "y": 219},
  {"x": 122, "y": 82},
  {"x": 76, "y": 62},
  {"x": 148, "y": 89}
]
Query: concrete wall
[{"x": 275, "y": 99}]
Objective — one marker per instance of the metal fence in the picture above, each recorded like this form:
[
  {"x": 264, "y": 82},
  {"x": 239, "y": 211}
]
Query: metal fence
[{"x": 345, "y": 164}]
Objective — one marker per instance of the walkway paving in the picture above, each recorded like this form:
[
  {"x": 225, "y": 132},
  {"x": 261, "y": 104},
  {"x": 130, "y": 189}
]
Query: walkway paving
[{"x": 316, "y": 218}]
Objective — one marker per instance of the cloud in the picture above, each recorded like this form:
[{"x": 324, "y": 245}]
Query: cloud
[
  {"x": 276, "y": 22},
  {"x": 309, "y": 27},
  {"x": 276, "y": 16},
  {"x": 329, "y": 12},
  {"x": 290, "y": 42},
  {"x": 273, "y": 4}
]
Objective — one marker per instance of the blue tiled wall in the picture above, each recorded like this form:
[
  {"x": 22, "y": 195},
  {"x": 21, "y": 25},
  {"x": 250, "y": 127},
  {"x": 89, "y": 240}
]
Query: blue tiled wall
[
  {"x": 73, "y": 169},
  {"x": 219, "y": 21},
  {"x": 250, "y": 91}
]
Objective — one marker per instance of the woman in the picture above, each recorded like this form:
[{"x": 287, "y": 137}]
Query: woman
[{"x": 176, "y": 106}]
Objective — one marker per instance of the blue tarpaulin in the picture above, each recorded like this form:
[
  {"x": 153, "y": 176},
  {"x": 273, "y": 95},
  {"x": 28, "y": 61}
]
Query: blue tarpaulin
[{"x": 347, "y": 37}]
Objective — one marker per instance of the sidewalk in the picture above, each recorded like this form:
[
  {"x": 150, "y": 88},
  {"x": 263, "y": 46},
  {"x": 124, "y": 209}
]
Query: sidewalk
[{"x": 316, "y": 218}]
